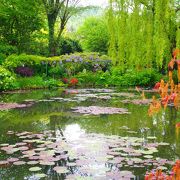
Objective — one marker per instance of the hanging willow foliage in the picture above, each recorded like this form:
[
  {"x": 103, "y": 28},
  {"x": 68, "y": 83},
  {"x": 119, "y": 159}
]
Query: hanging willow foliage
[
  {"x": 112, "y": 31},
  {"x": 142, "y": 32}
]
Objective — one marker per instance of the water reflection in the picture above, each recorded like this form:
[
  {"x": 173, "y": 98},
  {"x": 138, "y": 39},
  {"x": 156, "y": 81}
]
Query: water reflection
[{"x": 73, "y": 132}]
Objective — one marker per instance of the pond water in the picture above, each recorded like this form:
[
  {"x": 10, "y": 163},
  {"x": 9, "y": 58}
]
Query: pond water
[{"x": 64, "y": 144}]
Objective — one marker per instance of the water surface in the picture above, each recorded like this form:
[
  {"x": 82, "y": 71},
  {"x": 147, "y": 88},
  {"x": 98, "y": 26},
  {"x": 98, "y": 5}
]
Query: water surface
[{"x": 91, "y": 137}]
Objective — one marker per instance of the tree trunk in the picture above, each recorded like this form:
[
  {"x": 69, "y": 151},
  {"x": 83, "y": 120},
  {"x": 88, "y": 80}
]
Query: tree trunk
[{"x": 51, "y": 25}]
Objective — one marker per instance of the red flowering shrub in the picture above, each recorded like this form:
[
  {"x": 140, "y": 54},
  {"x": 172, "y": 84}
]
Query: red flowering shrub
[
  {"x": 73, "y": 81},
  {"x": 157, "y": 86},
  {"x": 65, "y": 80}
]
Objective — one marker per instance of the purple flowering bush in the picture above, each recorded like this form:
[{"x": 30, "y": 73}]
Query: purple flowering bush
[{"x": 24, "y": 71}]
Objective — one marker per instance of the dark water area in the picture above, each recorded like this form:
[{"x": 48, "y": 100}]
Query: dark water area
[{"x": 104, "y": 146}]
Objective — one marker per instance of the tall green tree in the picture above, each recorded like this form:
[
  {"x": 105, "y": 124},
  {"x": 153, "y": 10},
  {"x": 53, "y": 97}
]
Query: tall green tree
[
  {"x": 58, "y": 14},
  {"x": 18, "y": 20},
  {"x": 52, "y": 8}
]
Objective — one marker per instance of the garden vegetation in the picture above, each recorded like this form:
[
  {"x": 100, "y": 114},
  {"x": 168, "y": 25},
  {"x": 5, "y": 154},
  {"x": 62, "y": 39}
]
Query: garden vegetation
[{"x": 128, "y": 44}]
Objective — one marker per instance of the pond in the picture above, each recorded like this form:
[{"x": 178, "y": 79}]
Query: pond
[{"x": 55, "y": 138}]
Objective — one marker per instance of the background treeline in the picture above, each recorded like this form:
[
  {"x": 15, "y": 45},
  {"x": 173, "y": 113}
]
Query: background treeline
[{"x": 137, "y": 35}]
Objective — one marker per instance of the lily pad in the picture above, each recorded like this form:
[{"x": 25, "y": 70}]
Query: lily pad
[
  {"x": 97, "y": 110},
  {"x": 40, "y": 175},
  {"x": 3, "y": 162},
  {"x": 32, "y": 162},
  {"x": 148, "y": 156},
  {"x": 18, "y": 163},
  {"x": 47, "y": 163},
  {"x": 12, "y": 159},
  {"x": 33, "y": 169},
  {"x": 61, "y": 169},
  {"x": 71, "y": 164},
  {"x": 4, "y": 145}
]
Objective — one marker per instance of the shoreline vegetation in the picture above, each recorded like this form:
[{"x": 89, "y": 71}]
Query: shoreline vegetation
[{"x": 23, "y": 71}]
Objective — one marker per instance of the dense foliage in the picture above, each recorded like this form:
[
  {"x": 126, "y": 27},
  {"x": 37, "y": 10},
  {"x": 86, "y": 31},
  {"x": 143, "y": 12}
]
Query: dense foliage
[
  {"x": 6, "y": 79},
  {"x": 93, "y": 35},
  {"x": 114, "y": 77},
  {"x": 84, "y": 69},
  {"x": 36, "y": 27},
  {"x": 36, "y": 45},
  {"x": 75, "y": 62},
  {"x": 36, "y": 82},
  {"x": 19, "y": 19},
  {"x": 142, "y": 33}
]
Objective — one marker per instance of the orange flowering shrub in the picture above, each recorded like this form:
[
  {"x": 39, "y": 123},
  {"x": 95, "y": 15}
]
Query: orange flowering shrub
[{"x": 160, "y": 175}]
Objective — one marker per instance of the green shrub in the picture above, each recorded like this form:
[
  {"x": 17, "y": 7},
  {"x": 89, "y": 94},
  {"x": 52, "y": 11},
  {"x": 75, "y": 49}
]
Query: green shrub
[
  {"x": 131, "y": 78},
  {"x": 37, "y": 82},
  {"x": 87, "y": 78},
  {"x": 7, "y": 80},
  {"x": 57, "y": 66},
  {"x": 98, "y": 78},
  {"x": 117, "y": 71},
  {"x": 57, "y": 71},
  {"x": 135, "y": 78},
  {"x": 68, "y": 46},
  {"x": 14, "y": 60}
]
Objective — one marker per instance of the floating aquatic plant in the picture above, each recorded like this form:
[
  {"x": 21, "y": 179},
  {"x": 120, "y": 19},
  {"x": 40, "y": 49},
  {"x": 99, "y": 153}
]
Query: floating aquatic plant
[
  {"x": 6, "y": 106},
  {"x": 96, "y": 110},
  {"x": 91, "y": 154}
]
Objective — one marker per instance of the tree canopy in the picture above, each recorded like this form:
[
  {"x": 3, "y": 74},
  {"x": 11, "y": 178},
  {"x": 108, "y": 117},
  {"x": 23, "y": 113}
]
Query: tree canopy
[
  {"x": 19, "y": 19},
  {"x": 142, "y": 32},
  {"x": 93, "y": 35}
]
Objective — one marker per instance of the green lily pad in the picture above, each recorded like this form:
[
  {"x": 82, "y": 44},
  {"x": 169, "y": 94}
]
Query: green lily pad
[
  {"x": 40, "y": 175},
  {"x": 148, "y": 156},
  {"x": 61, "y": 169},
  {"x": 33, "y": 169}
]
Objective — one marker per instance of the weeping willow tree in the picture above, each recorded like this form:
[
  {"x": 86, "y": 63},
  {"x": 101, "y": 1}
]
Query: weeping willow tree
[
  {"x": 142, "y": 32},
  {"x": 112, "y": 30}
]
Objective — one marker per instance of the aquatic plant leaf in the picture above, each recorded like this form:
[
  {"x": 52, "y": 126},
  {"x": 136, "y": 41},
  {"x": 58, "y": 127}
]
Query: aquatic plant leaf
[
  {"x": 18, "y": 163},
  {"x": 40, "y": 175},
  {"x": 32, "y": 162},
  {"x": 4, "y": 162},
  {"x": 23, "y": 148},
  {"x": 61, "y": 169},
  {"x": 21, "y": 144},
  {"x": 4, "y": 145},
  {"x": 33, "y": 169},
  {"x": 148, "y": 156},
  {"x": 12, "y": 159},
  {"x": 47, "y": 163},
  {"x": 97, "y": 110},
  {"x": 71, "y": 164}
]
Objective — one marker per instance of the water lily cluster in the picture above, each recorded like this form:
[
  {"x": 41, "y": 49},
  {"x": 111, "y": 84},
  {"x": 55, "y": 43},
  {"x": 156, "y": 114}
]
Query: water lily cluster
[{"x": 89, "y": 155}]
